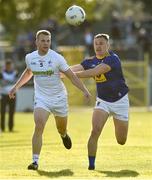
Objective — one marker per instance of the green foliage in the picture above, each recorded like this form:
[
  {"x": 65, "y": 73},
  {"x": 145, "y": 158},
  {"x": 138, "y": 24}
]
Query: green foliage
[
  {"x": 147, "y": 5},
  {"x": 8, "y": 14},
  {"x": 18, "y": 15},
  {"x": 131, "y": 161}
]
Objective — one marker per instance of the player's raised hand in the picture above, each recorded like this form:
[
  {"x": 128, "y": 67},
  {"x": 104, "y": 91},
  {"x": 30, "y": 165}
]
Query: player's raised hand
[{"x": 12, "y": 93}]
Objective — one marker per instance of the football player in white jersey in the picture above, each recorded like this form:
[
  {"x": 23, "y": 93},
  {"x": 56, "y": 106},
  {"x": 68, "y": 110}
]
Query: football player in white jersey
[{"x": 50, "y": 93}]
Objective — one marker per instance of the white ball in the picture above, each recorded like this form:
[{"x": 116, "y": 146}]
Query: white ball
[{"x": 75, "y": 15}]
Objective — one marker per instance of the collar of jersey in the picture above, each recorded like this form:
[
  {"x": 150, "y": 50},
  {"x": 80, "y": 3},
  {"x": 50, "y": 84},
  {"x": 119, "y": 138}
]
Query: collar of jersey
[{"x": 103, "y": 56}]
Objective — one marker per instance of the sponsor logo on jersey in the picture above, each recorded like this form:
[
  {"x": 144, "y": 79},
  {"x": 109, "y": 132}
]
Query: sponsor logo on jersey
[
  {"x": 100, "y": 78},
  {"x": 46, "y": 73}
]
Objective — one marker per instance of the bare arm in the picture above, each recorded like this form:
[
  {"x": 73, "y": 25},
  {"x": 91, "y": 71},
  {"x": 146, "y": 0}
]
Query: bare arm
[
  {"x": 99, "y": 69},
  {"x": 77, "y": 67},
  {"x": 74, "y": 68},
  {"x": 24, "y": 78},
  {"x": 76, "y": 81}
]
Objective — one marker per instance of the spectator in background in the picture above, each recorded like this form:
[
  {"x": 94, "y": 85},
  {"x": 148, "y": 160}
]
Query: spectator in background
[
  {"x": 20, "y": 49},
  {"x": 30, "y": 42},
  {"x": 1, "y": 53},
  {"x": 88, "y": 39},
  {"x": 115, "y": 29},
  {"x": 144, "y": 40},
  {"x": 130, "y": 40},
  {"x": 7, "y": 76}
]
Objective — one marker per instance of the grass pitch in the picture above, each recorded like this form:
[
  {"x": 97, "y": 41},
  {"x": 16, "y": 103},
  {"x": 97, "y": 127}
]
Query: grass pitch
[{"x": 131, "y": 161}]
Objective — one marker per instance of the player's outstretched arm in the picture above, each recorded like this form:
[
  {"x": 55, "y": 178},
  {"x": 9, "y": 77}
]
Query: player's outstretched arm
[
  {"x": 24, "y": 78},
  {"x": 76, "y": 81},
  {"x": 76, "y": 68},
  {"x": 99, "y": 69}
]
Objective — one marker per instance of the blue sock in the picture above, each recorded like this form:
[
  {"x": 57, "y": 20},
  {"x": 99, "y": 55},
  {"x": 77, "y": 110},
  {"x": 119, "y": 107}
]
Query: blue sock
[{"x": 91, "y": 161}]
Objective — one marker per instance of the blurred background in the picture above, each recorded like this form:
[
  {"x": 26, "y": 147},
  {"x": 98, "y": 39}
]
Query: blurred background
[{"x": 129, "y": 24}]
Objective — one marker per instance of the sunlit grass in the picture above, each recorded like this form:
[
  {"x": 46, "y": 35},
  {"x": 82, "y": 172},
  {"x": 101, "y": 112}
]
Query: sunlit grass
[{"x": 131, "y": 161}]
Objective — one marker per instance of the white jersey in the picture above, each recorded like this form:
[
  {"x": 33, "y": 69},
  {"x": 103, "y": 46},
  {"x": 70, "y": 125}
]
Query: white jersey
[{"x": 46, "y": 70}]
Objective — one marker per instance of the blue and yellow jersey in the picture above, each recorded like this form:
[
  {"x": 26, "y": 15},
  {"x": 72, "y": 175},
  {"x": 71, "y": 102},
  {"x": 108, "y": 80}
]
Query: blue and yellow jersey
[{"x": 110, "y": 86}]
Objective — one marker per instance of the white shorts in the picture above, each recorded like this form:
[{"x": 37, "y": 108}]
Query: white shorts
[
  {"x": 57, "y": 106},
  {"x": 118, "y": 109}
]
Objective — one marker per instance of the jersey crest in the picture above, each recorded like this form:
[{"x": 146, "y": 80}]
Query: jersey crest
[{"x": 100, "y": 78}]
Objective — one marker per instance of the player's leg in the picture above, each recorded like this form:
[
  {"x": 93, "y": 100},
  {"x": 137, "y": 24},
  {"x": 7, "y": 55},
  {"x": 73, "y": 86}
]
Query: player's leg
[
  {"x": 99, "y": 119},
  {"x": 61, "y": 124},
  {"x": 121, "y": 130},
  {"x": 60, "y": 111},
  {"x": 12, "y": 103},
  {"x": 40, "y": 119},
  {"x": 3, "y": 111},
  {"x": 120, "y": 116}
]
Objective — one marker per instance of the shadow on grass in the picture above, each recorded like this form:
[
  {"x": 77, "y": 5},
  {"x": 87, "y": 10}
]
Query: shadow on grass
[
  {"x": 64, "y": 172},
  {"x": 10, "y": 132},
  {"x": 122, "y": 173}
]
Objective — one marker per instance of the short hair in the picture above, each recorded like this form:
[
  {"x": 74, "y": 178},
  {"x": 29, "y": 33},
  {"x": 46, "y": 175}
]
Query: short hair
[
  {"x": 8, "y": 61},
  {"x": 105, "y": 36},
  {"x": 45, "y": 32}
]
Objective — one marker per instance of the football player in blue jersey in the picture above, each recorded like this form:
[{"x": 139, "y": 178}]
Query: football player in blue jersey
[{"x": 112, "y": 93}]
